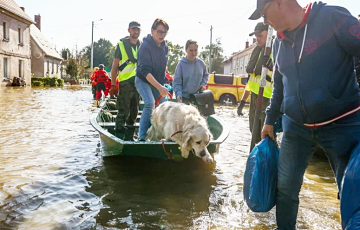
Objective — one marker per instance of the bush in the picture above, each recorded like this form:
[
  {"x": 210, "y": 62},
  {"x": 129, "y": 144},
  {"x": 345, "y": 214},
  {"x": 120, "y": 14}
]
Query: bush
[
  {"x": 53, "y": 82},
  {"x": 60, "y": 82},
  {"x": 47, "y": 81},
  {"x": 37, "y": 83}
]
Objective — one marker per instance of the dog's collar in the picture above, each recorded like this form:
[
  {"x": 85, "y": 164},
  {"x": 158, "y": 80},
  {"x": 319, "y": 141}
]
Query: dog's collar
[{"x": 176, "y": 133}]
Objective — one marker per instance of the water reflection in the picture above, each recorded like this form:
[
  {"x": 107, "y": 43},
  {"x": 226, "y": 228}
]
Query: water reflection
[
  {"x": 147, "y": 193},
  {"x": 53, "y": 175}
]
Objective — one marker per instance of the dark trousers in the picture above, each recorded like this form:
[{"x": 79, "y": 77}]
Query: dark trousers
[
  {"x": 127, "y": 104},
  {"x": 265, "y": 103},
  {"x": 338, "y": 139}
]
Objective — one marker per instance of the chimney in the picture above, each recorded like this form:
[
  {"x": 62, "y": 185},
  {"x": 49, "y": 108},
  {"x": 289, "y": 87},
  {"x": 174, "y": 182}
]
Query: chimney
[
  {"x": 38, "y": 21},
  {"x": 254, "y": 40},
  {"x": 246, "y": 44},
  {"x": 23, "y": 8}
]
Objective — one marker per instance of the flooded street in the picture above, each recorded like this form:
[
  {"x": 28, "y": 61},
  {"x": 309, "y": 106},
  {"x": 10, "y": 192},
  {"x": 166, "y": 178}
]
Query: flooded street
[{"x": 53, "y": 175}]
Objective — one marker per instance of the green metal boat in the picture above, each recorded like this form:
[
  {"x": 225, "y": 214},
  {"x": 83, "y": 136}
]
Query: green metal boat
[{"x": 165, "y": 150}]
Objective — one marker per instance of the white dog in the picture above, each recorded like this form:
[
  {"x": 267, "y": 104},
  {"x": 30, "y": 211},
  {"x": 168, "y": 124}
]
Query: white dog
[{"x": 184, "y": 125}]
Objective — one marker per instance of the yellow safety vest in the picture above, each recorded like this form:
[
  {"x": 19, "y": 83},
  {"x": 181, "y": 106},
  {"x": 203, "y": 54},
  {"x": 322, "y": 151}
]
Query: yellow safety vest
[
  {"x": 129, "y": 70},
  {"x": 253, "y": 84}
]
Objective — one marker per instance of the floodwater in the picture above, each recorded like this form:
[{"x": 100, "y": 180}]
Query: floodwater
[{"x": 53, "y": 175}]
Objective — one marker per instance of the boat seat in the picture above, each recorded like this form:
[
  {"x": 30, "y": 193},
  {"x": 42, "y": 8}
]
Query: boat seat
[{"x": 112, "y": 124}]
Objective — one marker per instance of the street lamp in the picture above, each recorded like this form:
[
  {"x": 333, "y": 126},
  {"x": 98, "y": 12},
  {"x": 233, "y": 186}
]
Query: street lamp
[
  {"x": 92, "y": 44},
  {"x": 210, "y": 46}
]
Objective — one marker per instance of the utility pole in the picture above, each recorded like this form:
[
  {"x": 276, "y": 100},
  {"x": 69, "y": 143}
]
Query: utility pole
[
  {"x": 210, "y": 48},
  {"x": 211, "y": 28},
  {"x": 92, "y": 45}
]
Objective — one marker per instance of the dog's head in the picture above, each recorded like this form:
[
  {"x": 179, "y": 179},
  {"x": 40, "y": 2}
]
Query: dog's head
[{"x": 197, "y": 137}]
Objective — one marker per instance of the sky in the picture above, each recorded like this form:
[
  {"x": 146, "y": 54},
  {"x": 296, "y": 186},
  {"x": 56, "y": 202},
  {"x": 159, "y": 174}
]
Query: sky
[{"x": 68, "y": 23}]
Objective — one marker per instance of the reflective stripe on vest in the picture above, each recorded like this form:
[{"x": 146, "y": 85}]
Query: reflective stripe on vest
[
  {"x": 253, "y": 84},
  {"x": 129, "y": 70}
]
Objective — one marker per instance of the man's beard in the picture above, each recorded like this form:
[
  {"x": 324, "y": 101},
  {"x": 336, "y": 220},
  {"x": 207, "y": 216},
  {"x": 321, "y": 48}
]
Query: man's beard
[{"x": 134, "y": 36}]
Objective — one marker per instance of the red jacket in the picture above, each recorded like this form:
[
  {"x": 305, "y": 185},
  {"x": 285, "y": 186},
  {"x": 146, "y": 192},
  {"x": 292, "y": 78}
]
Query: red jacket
[{"x": 101, "y": 76}]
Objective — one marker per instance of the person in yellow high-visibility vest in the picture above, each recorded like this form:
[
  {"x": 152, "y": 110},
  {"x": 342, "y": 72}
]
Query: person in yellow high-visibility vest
[
  {"x": 124, "y": 69},
  {"x": 253, "y": 84}
]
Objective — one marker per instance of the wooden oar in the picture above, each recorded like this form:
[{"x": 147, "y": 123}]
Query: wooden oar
[{"x": 257, "y": 122}]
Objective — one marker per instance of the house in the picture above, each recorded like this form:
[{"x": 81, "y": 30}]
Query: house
[
  {"x": 238, "y": 61},
  {"x": 15, "y": 53},
  {"x": 45, "y": 60}
]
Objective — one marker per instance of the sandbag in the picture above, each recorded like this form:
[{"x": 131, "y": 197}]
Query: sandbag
[
  {"x": 350, "y": 198},
  {"x": 260, "y": 179}
]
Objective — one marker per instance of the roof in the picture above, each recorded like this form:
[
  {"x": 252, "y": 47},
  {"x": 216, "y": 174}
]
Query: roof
[
  {"x": 43, "y": 43},
  {"x": 12, "y": 7}
]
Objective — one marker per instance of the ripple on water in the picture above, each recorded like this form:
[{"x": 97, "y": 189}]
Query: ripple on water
[{"x": 53, "y": 178}]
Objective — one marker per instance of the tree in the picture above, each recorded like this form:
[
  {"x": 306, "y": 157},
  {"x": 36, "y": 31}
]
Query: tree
[
  {"x": 101, "y": 49},
  {"x": 72, "y": 69},
  {"x": 217, "y": 56},
  {"x": 72, "y": 64},
  {"x": 175, "y": 54},
  {"x": 110, "y": 56}
]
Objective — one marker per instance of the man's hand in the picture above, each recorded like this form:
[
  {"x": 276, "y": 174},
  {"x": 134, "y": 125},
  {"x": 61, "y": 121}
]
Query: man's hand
[
  {"x": 202, "y": 88},
  {"x": 267, "y": 62},
  {"x": 268, "y": 130},
  {"x": 113, "y": 91},
  {"x": 179, "y": 99},
  {"x": 163, "y": 91}
]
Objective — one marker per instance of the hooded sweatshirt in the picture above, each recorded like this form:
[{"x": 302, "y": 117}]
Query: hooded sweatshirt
[
  {"x": 314, "y": 80},
  {"x": 189, "y": 75},
  {"x": 152, "y": 59}
]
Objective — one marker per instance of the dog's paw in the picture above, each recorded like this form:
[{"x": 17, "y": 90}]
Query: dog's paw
[{"x": 208, "y": 159}]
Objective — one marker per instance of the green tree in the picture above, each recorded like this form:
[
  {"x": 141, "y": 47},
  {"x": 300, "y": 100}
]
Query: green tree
[
  {"x": 101, "y": 49},
  {"x": 110, "y": 56},
  {"x": 72, "y": 69},
  {"x": 175, "y": 54},
  {"x": 217, "y": 56}
]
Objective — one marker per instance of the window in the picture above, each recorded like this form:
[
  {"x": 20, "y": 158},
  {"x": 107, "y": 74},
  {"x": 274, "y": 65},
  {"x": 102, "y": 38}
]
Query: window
[
  {"x": 5, "y": 31},
  {"x": 6, "y": 68},
  {"x": 241, "y": 65},
  {"x": 246, "y": 62},
  {"x": 47, "y": 68},
  {"x": 52, "y": 68},
  {"x": 21, "y": 68},
  {"x": 20, "y": 36}
]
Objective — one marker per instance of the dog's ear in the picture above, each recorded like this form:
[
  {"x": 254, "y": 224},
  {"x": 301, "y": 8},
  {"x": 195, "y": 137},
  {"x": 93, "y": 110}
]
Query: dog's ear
[{"x": 186, "y": 145}]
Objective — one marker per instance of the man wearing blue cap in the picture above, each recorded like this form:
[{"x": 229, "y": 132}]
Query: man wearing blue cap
[{"x": 316, "y": 89}]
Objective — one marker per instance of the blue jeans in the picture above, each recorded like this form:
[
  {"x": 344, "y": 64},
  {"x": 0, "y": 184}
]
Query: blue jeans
[
  {"x": 338, "y": 139},
  {"x": 149, "y": 94}
]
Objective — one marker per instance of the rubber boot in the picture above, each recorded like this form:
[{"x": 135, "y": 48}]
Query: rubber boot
[
  {"x": 240, "y": 108},
  {"x": 129, "y": 133},
  {"x": 120, "y": 133}
]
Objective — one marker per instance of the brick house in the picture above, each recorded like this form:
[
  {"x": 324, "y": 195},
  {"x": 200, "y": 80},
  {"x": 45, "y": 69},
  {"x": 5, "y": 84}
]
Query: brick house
[{"x": 15, "y": 53}]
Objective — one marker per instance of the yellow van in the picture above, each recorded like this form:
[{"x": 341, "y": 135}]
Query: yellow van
[{"x": 227, "y": 89}]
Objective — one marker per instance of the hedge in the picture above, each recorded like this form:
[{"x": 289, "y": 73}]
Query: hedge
[{"x": 47, "y": 81}]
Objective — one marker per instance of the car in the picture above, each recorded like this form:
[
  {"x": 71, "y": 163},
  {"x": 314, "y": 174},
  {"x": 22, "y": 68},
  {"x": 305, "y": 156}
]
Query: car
[{"x": 227, "y": 89}]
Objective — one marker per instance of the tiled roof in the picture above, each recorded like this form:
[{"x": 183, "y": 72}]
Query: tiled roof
[
  {"x": 43, "y": 43},
  {"x": 11, "y": 6}
]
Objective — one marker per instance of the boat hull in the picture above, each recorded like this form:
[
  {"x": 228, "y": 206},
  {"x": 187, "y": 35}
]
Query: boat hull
[{"x": 113, "y": 146}]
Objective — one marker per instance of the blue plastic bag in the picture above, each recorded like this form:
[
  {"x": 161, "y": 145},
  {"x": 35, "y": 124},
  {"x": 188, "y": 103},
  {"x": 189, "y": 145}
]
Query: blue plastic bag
[
  {"x": 350, "y": 198},
  {"x": 260, "y": 179}
]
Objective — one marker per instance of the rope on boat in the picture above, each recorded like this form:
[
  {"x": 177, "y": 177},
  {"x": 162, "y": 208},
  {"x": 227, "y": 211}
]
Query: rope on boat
[{"x": 163, "y": 145}]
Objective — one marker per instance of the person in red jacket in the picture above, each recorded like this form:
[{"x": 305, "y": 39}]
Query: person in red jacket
[
  {"x": 102, "y": 82},
  {"x": 93, "y": 83}
]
